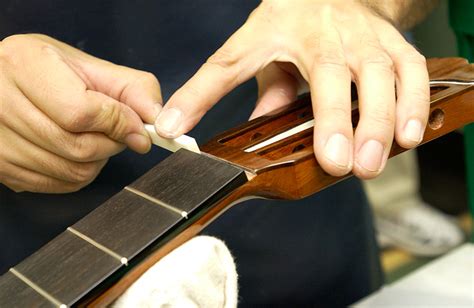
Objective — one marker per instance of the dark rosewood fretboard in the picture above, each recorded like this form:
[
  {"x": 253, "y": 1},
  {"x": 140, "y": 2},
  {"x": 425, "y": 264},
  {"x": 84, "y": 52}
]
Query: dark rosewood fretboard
[
  {"x": 168, "y": 198},
  {"x": 175, "y": 200}
]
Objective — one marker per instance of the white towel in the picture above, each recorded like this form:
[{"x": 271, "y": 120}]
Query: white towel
[{"x": 200, "y": 273}]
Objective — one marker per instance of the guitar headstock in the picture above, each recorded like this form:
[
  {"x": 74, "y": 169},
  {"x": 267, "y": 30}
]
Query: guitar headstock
[{"x": 278, "y": 148}]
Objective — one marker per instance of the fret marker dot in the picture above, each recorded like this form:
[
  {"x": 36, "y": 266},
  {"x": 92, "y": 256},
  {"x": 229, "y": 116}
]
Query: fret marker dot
[
  {"x": 124, "y": 261},
  {"x": 184, "y": 214},
  {"x": 62, "y": 306}
]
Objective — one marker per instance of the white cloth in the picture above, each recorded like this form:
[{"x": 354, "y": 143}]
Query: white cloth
[{"x": 200, "y": 273}]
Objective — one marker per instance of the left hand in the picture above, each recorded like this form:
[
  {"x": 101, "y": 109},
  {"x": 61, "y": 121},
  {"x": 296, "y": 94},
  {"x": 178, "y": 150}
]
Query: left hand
[{"x": 326, "y": 44}]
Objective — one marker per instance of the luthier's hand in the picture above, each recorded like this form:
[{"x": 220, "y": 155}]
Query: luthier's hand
[
  {"x": 326, "y": 44},
  {"x": 63, "y": 113}
]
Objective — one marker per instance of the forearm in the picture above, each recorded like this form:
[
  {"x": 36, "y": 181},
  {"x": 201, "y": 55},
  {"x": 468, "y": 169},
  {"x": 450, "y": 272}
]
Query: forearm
[{"x": 404, "y": 14}]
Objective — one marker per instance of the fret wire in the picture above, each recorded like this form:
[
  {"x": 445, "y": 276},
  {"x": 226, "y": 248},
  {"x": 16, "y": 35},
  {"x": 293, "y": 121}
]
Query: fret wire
[
  {"x": 184, "y": 214},
  {"x": 37, "y": 288},
  {"x": 108, "y": 251}
]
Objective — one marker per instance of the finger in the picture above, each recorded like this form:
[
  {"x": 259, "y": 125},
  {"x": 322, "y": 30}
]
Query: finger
[
  {"x": 27, "y": 155},
  {"x": 31, "y": 124},
  {"x": 59, "y": 93},
  {"x": 330, "y": 80},
  {"x": 138, "y": 89},
  {"x": 376, "y": 88},
  {"x": 239, "y": 59},
  {"x": 27, "y": 180},
  {"x": 413, "y": 93},
  {"x": 276, "y": 88}
]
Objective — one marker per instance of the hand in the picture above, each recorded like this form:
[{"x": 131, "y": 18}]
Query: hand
[
  {"x": 326, "y": 44},
  {"x": 63, "y": 113}
]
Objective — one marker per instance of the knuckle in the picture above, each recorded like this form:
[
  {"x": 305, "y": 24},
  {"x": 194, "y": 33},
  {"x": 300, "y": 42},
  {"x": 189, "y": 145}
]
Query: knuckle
[
  {"x": 148, "y": 78},
  {"x": 410, "y": 55},
  {"x": 382, "y": 119},
  {"x": 145, "y": 78},
  {"x": 223, "y": 58},
  {"x": 83, "y": 173},
  {"x": 417, "y": 97},
  {"x": 227, "y": 63},
  {"x": 192, "y": 91},
  {"x": 335, "y": 114},
  {"x": 334, "y": 61},
  {"x": 114, "y": 115},
  {"x": 414, "y": 57},
  {"x": 83, "y": 150},
  {"x": 379, "y": 60},
  {"x": 77, "y": 120},
  {"x": 10, "y": 47}
]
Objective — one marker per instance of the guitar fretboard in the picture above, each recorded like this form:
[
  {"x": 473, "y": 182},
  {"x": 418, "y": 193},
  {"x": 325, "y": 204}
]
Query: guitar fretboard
[{"x": 168, "y": 197}]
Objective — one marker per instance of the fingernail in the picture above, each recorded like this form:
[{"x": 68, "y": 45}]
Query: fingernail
[
  {"x": 371, "y": 155},
  {"x": 168, "y": 121},
  {"x": 337, "y": 150},
  {"x": 137, "y": 142},
  {"x": 413, "y": 130}
]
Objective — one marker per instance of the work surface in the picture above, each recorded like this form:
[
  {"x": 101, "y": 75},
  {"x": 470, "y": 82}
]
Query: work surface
[{"x": 445, "y": 282}]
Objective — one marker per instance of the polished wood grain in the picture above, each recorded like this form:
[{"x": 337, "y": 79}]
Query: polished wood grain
[
  {"x": 116, "y": 243},
  {"x": 288, "y": 168},
  {"x": 102, "y": 246},
  {"x": 15, "y": 293}
]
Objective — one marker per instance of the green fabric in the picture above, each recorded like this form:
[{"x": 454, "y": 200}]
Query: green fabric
[{"x": 461, "y": 14}]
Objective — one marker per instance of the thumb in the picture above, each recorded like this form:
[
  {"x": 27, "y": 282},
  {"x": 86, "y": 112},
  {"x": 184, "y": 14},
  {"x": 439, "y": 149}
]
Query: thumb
[
  {"x": 276, "y": 88},
  {"x": 137, "y": 89},
  {"x": 238, "y": 60}
]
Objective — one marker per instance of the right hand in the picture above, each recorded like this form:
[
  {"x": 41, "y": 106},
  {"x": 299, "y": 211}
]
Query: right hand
[{"x": 63, "y": 113}]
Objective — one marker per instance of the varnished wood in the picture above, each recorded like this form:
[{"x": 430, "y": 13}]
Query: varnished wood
[
  {"x": 176, "y": 199},
  {"x": 288, "y": 169}
]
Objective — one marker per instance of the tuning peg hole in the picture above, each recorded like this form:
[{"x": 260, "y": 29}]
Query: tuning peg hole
[
  {"x": 436, "y": 119},
  {"x": 256, "y": 136},
  {"x": 299, "y": 147}
]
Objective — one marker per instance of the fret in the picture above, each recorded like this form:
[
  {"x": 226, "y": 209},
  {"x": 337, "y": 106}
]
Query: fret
[
  {"x": 158, "y": 202},
  {"x": 187, "y": 187},
  {"x": 35, "y": 287},
  {"x": 127, "y": 223},
  {"x": 14, "y": 292},
  {"x": 111, "y": 253},
  {"x": 67, "y": 267},
  {"x": 170, "y": 196},
  {"x": 131, "y": 220}
]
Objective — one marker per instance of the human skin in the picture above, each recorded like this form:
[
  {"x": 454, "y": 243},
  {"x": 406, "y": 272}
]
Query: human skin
[
  {"x": 63, "y": 113},
  {"x": 322, "y": 45}
]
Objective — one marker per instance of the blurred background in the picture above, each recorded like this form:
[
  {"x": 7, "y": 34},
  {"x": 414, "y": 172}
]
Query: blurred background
[{"x": 438, "y": 201}]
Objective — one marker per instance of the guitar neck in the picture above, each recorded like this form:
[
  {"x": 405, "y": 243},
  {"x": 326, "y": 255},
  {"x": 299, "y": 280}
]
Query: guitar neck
[{"x": 142, "y": 217}]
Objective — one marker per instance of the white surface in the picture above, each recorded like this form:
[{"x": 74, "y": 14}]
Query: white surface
[
  {"x": 199, "y": 273},
  {"x": 182, "y": 142},
  {"x": 282, "y": 136},
  {"x": 445, "y": 282}
]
